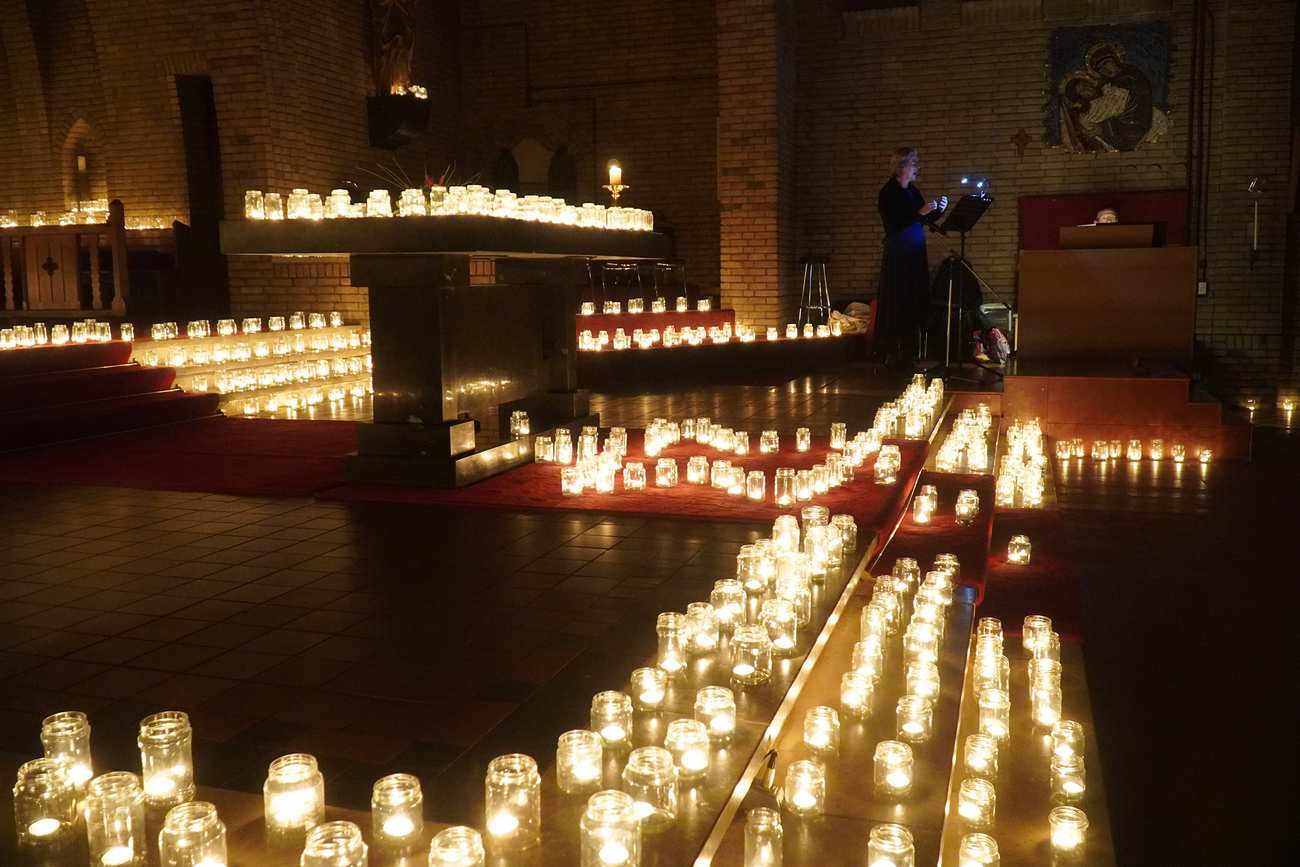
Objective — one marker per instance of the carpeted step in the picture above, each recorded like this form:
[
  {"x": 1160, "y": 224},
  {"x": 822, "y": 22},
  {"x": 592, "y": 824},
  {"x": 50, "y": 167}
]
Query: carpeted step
[
  {"x": 96, "y": 418},
  {"x": 77, "y": 386},
  {"x": 70, "y": 356}
]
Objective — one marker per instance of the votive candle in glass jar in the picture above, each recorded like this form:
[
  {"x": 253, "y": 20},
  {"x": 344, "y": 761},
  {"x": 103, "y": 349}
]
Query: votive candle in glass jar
[
  {"x": 1178, "y": 452},
  {"x": 457, "y": 846},
  {"x": 578, "y": 761},
  {"x": 650, "y": 777},
  {"x": 648, "y": 686},
  {"x": 513, "y": 802},
  {"x": 115, "y": 826},
  {"x": 915, "y": 718},
  {"x": 728, "y": 601},
  {"x": 66, "y": 738},
  {"x": 857, "y": 691},
  {"x": 921, "y": 510},
  {"x": 893, "y": 769},
  {"x": 980, "y": 756},
  {"x": 1045, "y": 706},
  {"x": 254, "y": 209},
  {"x": 1157, "y": 450},
  {"x": 781, "y": 620},
  {"x": 45, "y": 804},
  {"x": 995, "y": 714},
  {"x": 697, "y": 470},
  {"x": 192, "y": 835},
  {"x": 701, "y": 628},
  {"x": 805, "y": 788},
  {"x": 543, "y": 450},
  {"x": 1067, "y": 738},
  {"x": 570, "y": 481},
  {"x": 611, "y": 718},
  {"x": 976, "y": 802},
  {"x": 293, "y": 795},
  {"x": 634, "y": 476},
  {"x": 783, "y": 487},
  {"x": 764, "y": 845},
  {"x": 397, "y": 811},
  {"x": 671, "y": 627},
  {"x": 715, "y": 706},
  {"x": 839, "y": 433},
  {"x": 1115, "y": 449},
  {"x": 1069, "y": 779},
  {"x": 848, "y": 528},
  {"x": 802, "y": 439},
  {"x": 1134, "y": 450},
  {"x": 665, "y": 473},
  {"x": 1033, "y": 631},
  {"x": 1068, "y": 830},
  {"x": 978, "y": 850},
  {"x": 923, "y": 679},
  {"x": 688, "y": 741},
  {"x": 334, "y": 844},
  {"x": 751, "y": 655},
  {"x": 821, "y": 729},
  {"x": 610, "y": 831},
  {"x": 968, "y": 506},
  {"x": 890, "y": 845},
  {"x": 1018, "y": 550},
  {"x": 756, "y": 485},
  {"x": 166, "y": 758}
]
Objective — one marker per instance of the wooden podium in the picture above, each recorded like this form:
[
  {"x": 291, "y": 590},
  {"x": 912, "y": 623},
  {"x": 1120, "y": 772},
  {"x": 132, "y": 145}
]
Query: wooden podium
[{"x": 1108, "y": 304}]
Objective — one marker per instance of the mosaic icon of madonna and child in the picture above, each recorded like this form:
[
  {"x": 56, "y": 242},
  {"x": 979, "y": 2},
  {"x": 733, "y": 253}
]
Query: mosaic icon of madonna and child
[{"x": 1109, "y": 87}]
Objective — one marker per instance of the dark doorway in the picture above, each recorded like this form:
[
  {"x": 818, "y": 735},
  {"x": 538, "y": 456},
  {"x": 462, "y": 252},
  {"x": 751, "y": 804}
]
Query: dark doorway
[
  {"x": 562, "y": 177},
  {"x": 201, "y": 268},
  {"x": 505, "y": 174}
]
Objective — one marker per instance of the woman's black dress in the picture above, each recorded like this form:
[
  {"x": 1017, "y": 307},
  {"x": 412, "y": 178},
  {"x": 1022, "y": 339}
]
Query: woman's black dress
[{"x": 904, "y": 297}]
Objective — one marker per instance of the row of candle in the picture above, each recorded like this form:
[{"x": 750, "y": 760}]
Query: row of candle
[
  {"x": 925, "y": 502},
  {"x": 966, "y": 447},
  {"x": 273, "y": 375},
  {"x": 471, "y": 199},
  {"x": 293, "y": 400},
  {"x": 637, "y": 305},
  {"x": 1133, "y": 450},
  {"x": 1022, "y": 471},
  {"x": 59, "y": 334},
  {"x": 589, "y": 341},
  {"x": 198, "y": 329}
]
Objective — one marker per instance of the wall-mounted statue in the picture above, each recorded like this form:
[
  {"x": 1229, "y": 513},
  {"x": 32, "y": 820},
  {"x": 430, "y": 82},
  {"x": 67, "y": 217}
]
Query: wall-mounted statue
[{"x": 392, "y": 29}]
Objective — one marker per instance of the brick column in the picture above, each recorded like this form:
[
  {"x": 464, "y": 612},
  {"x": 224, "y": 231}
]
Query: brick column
[{"x": 756, "y": 160}]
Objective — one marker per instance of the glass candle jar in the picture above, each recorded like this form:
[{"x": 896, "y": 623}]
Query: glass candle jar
[
  {"x": 976, "y": 802},
  {"x": 45, "y": 803},
  {"x": 781, "y": 620},
  {"x": 1045, "y": 706},
  {"x": 578, "y": 760},
  {"x": 756, "y": 485},
  {"x": 1018, "y": 550},
  {"x": 701, "y": 628},
  {"x": 968, "y": 506},
  {"x": 293, "y": 795},
  {"x": 1067, "y": 738},
  {"x": 751, "y": 655},
  {"x": 720, "y": 473},
  {"x": 688, "y": 741},
  {"x": 893, "y": 769},
  {"x": 740, "y": 442},
  {"x": 665, "y": 473},
  {"x": 1115, "y": 449},
  {"x": 697, "y": 470},
  {"x": 728, "y": 601},
  {"x": 397, "y": 811},
  {"x": 1068, "y": 830},
  {"x": 764, "y": 844},
  {"x": 802, "y": 439},
  {"x": 868, "y": 656},
  {"x": 66, "y": 738},
  {"x": 650, "y": 777},
  {"x": 570, "y": 481},
  {"x": 821, "y": 729},
  {"x": 989, "y": 626},
  {"x": 334, "y": 844},
  {"x": 995, "y": 714},
  {"x": 920, "y": 510},
  {"x": 923, "y": 679},
  {"x": 192, "y": 835},
  {"x": 648, "y": 686},
  {"x": 634, "y": 476},
  {"x": 805, "y": 788},
  {"x": 115, "y": 826},
  {"x": 1034, "y": 630},
  {"x": 166, "y": 758},
  {"x": 1069, "y": 779},
  {"x": 839, "y": 433},
  {"x": 857, "y": 691},
  {"x": 980, "y": 756},
  {"x": 783, "y": 487},
  {"x": 715, "y": 706},
  {"x": 543, "y": 450},
  {"x": 890, "y": 846},
  {"x": 611, "y": 718},
  {"x": 513, "y": 802},
  {"x": 978, "y": 850},
  {"x": 671, "y": 627},
  {"x": 915, "y": 717},
  {"x": 457, "y": 846},
  {"x": 610, "y": 832}
]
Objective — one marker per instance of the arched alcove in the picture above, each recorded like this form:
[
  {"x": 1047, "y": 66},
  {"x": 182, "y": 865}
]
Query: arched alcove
[
  {"x": 505, "y": 173},
  {"x": 562, "y": 175},
  {"x": 82, "y": 165},
  {"x": 534, "y": 161}
]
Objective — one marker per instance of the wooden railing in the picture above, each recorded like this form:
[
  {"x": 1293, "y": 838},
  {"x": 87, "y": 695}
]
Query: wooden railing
[{"x": 41, "y": 266}]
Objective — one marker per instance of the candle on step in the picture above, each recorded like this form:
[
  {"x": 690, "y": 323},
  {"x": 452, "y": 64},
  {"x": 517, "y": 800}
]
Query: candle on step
[
  {"x": 688, "y": 741},
  {"x": 610, "y": 830},
  {"x": 805, "y": 788},
  {"x": 890, "y": 845},
  {"x": 1068, "y": 829},
  {"x": 1018, "y": 550},
  {"x": 893, "y": 769},
  {"x": 512, "y": 802},
  {"x": 578, "y": 757}
]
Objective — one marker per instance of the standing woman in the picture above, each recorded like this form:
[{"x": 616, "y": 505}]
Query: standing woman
[{"x": 904, "y": 297}]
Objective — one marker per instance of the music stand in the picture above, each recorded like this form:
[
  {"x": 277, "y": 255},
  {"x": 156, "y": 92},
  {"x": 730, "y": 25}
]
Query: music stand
[{"x": 961, "y": 219}]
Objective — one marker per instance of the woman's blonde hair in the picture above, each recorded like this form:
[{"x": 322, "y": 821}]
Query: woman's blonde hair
[{"x": 900, "y": 159}]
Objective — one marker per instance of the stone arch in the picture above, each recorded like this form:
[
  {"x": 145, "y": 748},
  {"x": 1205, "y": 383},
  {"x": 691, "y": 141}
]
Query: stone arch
[
  {"x": 534, "y": 162},
  {"x": 81, "y": 164},
  {"x": 505, "y": 173}
]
